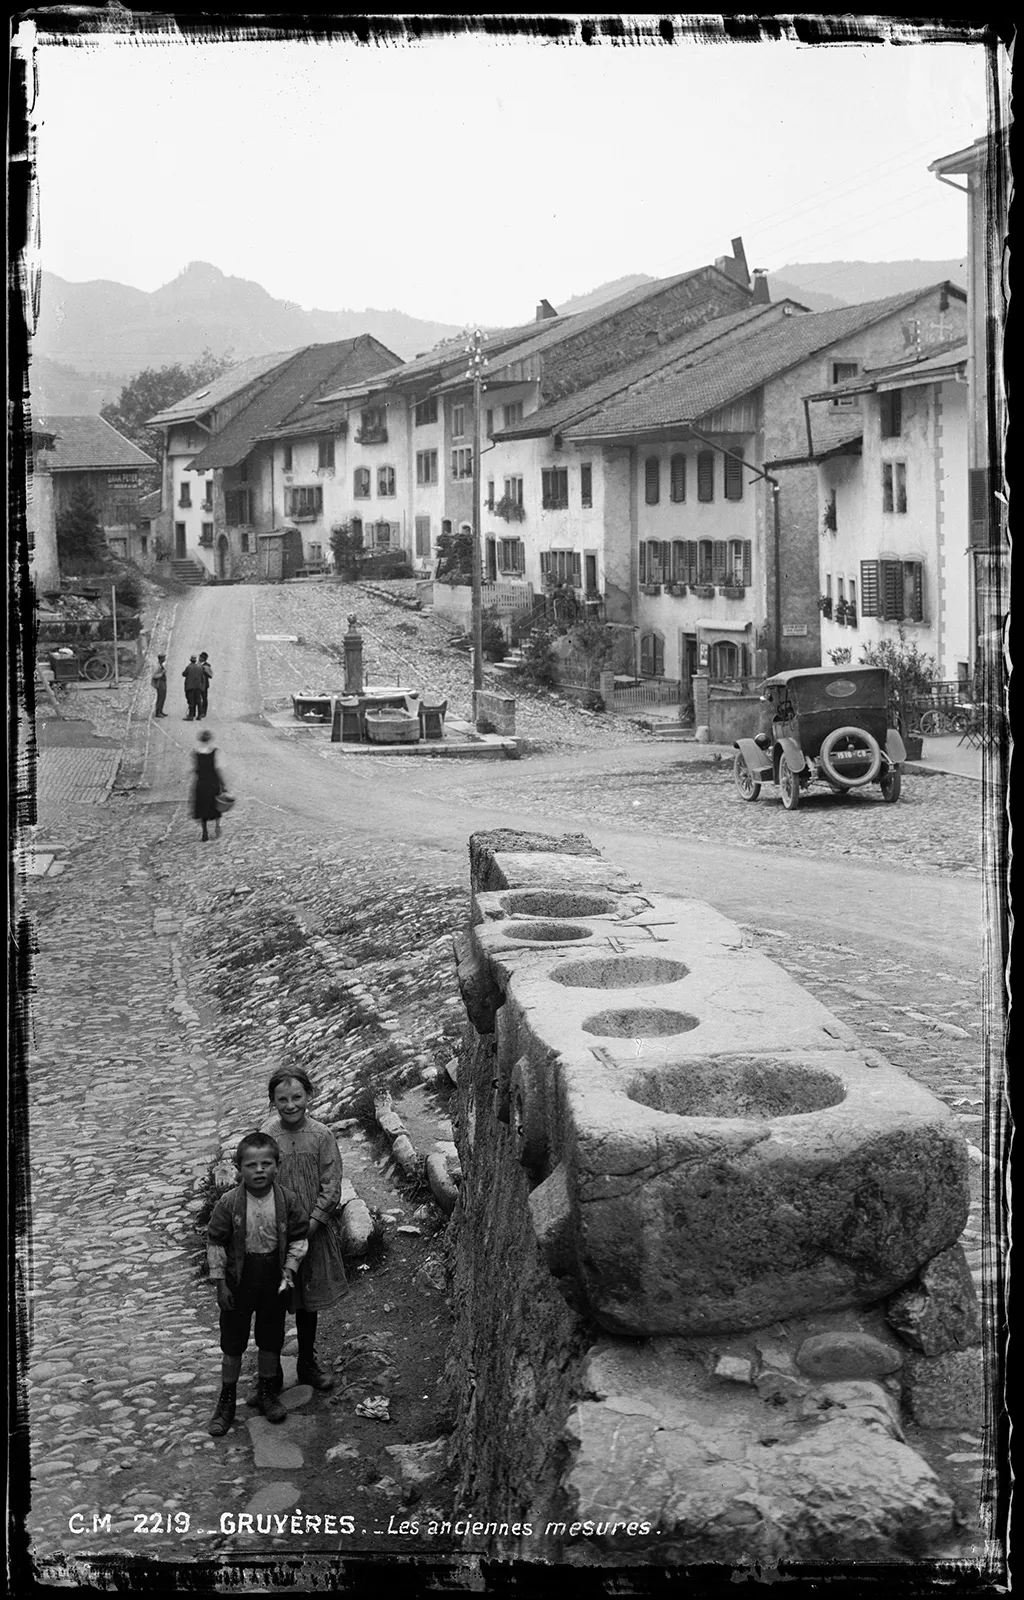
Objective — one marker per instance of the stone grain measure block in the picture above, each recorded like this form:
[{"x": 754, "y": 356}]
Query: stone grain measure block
[{"x": 731, "y": 1155}]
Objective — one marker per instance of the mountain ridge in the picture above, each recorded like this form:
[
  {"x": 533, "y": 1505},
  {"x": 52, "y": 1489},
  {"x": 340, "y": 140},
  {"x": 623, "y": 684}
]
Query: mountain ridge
[{"x": 93, "y": 337}]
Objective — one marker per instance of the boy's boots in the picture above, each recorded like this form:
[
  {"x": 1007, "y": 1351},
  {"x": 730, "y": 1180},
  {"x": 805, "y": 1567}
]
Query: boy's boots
[
  {"x": 224, "y": 1413},
  {"x": 268, "y": 1403}
]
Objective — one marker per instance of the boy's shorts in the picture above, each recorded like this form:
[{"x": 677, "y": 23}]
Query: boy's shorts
[{"x": 255, "y": 1296}]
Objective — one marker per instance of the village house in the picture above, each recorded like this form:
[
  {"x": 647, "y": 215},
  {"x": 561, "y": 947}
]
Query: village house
[
  {"x": 76, "y": 456},
  {"x": 219, "y": 477},
  {"x": 893, "y": 507},
  {"x": 708, "y": 547},
  {"x": 985, "y": 166},
  {"x": 409, "y": 458}
]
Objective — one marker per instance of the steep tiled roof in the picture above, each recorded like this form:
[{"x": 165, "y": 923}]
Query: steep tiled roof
[
  {"x": 433, "y": 365},
  {"x": 926, "y": 368},
  {"x": 83, "y": 442},
  {"x": 223, "y": 388},
  {"x": 767, "y": 351},
  {"x": 544, "y": 335},
  {"x": 667, "y": 358},
  {"x": 446, "y": 370},
  {"x": 293, "y": 389}
]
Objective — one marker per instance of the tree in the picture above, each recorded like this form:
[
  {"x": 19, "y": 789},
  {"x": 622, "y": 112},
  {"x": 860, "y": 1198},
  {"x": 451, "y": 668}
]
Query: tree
[
  {"x": 153, "y": 390},
  {"x": 346, "y": 546},
  {"x": 454, "y": 558},
  {"x": 911, "y": 675},
  {"x": 81, "y": 546}
]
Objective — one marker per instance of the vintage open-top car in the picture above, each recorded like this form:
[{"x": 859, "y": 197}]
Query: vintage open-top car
[{"x": 829, "y": 725}]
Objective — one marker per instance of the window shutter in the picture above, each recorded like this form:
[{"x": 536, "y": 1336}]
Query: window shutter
[
  {"x": 652, "y": 480},
  {"x": 733, "y": 477},
  {"x": 706, "y": 475},
  {"x": 980, "y": 504},
  {"x": 643, "y": 562},
  {"x": 647, "y": 655},
  {"x": 869, "y": 588},
  {"x": 719, "y": 561},
  {"x": 677, "y": 478},
  {"x": 691, "y": 561},
  {"x": 545, "y": 562},
  {"x": 915, "y": 591},
  {"x": 746, "y": 562},
  {"x": 892, "y": 591},
  {"x": 659, "y": 656},
  {"x": 577, "y": 570}
]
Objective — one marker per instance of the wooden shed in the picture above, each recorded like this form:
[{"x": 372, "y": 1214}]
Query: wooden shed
[{"x": 280, "y": 553}]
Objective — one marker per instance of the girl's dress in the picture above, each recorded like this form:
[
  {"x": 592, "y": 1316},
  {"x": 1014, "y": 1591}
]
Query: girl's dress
[
  {"x": 311, "y": 1169},
  {"x": 207, "y": 785}
]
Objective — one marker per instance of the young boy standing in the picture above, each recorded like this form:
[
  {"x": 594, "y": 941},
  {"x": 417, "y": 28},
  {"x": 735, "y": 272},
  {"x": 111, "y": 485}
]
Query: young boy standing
[{"x": 256, "y": 1239}]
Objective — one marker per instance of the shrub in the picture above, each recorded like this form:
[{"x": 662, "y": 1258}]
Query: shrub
[
  {"x": 493, "y": 641},
  {"x": 911, "y": 674},
  {"x": 538, "y": 666}
]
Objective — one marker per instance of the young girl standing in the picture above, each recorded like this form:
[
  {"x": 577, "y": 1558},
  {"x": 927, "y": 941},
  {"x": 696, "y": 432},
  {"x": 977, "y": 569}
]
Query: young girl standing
[{"x": 311, "y": 1168}]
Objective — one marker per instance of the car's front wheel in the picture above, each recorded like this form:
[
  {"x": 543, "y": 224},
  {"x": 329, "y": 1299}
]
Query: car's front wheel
[
  {"x": 789, "y": 785},
  {"x": 891, "y": 783},
  {"x": 746, "y": 783}
]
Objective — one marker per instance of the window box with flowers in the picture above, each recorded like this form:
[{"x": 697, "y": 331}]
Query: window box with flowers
[
  {"x": 509, "y": 509},
  {"x": 830, "y": 516},
  {"x": 825, "y": 605},
  {"x": 675, "y": 588},
  {"x": 733, "y": 591},
  {"x": 705, "y": 591},
  {"x": 846, "y": 614},
  {"x": 650, "y": 588}
]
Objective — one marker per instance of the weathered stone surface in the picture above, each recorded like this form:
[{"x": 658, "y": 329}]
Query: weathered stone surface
[
  {"x": 946, "y": 1391},
  {"x": 835, "y": 1492},
  {"x": 940, "y": 1312},
  {"x": 442, "y": 1185},
  {"x": 275, "y": 1497},
  {"x": 734, "y": 1369},
  {"x": 356, "y": 1227},
  {"x": 862, "y": 1401},
  {"x": 418, "y": 1464},
  {"x": 834, "y": 1356},
  {"x": 271, "y": 1444}
]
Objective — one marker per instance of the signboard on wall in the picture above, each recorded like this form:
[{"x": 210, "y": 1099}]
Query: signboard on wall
[
  {"x": 703, "y": 654},
  {"x": 122, "y": 480},
  {"x": 794, "y": 630}
]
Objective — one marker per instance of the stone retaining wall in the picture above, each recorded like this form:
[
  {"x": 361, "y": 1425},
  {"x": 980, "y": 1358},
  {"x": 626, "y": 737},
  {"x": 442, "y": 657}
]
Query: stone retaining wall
[{"x": 688, "y": 1195}]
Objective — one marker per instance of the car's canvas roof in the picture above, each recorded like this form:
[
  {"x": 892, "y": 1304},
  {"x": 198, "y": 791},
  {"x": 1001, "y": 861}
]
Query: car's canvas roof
[{"x": 819, "y": 672}]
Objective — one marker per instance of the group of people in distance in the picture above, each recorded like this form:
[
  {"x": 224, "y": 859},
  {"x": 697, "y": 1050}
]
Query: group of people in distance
[
  {"x": 273, "y": 1247},
  {"x": 197, "y": 676}
]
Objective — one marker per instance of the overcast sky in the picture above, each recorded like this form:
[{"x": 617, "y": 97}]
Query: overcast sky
[{"x": 460, "y": 180}]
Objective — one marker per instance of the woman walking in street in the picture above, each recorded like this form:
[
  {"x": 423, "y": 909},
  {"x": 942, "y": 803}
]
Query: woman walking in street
[
  {"x": 311, "y": 1168},
  {"x": 206, "y": 785}
]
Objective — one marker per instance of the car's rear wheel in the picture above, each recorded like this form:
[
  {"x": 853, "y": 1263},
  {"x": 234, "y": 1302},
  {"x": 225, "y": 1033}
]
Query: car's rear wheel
[
  {"x": 789, "y": 785},
  {"x": 891, "y": 783},
  {"x": 746, "y": 783},
  {"x": 850, "y": 757}
]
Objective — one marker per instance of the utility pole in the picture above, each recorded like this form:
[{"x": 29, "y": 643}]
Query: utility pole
[{"x": 475, "y": 371}]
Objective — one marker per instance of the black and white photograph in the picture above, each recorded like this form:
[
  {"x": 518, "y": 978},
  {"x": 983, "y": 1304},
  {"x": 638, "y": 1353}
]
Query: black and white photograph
[{"x": 509, "y": 1086}]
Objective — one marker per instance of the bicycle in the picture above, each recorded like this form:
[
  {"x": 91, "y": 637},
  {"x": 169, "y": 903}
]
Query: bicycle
[{"x": 944, "y": 719}]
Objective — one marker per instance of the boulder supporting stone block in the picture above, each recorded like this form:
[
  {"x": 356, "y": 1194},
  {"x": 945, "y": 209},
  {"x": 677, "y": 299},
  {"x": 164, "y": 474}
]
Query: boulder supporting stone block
[{"x": 940, "y": 1312}]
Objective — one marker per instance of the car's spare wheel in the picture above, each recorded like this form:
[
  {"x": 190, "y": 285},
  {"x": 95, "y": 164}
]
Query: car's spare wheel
[{"x": 850, "y": 757}]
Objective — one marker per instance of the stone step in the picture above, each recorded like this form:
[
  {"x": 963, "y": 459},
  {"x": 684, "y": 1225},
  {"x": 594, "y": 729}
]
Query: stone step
[{"x": 190, "y": 572}]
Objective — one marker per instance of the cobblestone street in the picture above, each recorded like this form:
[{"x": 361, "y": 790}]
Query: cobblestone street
[{"x": 169, "y": 980}]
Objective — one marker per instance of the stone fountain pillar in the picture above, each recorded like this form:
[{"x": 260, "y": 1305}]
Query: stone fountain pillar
[{"x": 353, "y": 658}]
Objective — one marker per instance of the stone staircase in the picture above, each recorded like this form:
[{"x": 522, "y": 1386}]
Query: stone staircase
[{"x": 189, "y": 572}]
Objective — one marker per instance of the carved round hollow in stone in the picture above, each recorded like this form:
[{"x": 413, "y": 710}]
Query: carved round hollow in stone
[
  {"x": 747, "y": 1089},
  {"x": 547, "y": 932},
  {"x": 557, "y": 903},
  {"x": 639, "y": 1022},
  {"x": 619, "y": 972}
]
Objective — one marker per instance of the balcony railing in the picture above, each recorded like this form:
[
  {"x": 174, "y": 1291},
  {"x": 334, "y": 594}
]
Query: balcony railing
[{"x": 374, "y": 435}]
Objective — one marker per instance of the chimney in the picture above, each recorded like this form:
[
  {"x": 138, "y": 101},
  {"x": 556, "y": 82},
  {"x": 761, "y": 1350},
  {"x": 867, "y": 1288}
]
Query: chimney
[
  {"x": 544, "y": 310},
  {"x": 761, "y": 297},
  {"x": 735, "y": 266}
]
